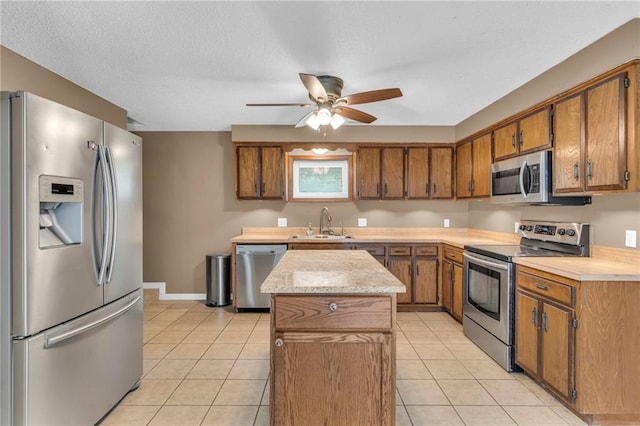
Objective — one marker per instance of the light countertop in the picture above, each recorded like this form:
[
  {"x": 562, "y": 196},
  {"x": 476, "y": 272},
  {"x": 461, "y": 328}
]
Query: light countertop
[
  {"x": 330, "y": 272},
  {"x": 585, "y": 268}
]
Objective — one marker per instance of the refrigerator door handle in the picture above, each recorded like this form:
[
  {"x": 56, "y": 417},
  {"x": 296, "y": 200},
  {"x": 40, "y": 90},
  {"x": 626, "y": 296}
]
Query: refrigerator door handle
[
  {"x": 106, "y": 220},
  {"x": 114, "y": 209},
  {"x": 55, "y": 338}
]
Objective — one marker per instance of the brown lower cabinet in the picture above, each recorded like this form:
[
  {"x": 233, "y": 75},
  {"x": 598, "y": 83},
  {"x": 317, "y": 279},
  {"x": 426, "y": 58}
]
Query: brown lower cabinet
[
  {"x": 452, "y": 267},
  {"x": 333, "y": 368},
  {"x": 580, "y": 340}
]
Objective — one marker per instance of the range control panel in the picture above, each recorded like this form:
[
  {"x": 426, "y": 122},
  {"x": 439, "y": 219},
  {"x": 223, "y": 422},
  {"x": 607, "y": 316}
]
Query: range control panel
[{"x": 573, "y": 233}]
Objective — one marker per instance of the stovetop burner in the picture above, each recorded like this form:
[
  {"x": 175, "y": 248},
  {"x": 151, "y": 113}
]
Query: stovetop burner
[{"x": 541, "y": 239}]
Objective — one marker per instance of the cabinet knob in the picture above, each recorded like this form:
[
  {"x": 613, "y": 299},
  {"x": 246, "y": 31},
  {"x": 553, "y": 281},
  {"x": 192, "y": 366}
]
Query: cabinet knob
[
  {"x": 333, "y": 307},
  {"x": 279, "y": 342}
]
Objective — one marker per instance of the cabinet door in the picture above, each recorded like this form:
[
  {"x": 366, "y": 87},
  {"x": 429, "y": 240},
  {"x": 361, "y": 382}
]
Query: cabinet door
[
  {"x": 417, "y": 173},
  {"x": 426, "y": 281},
  {"x": 481, "y": 186},
  {"x": 401, "y": 268},
  {"x": 557, "y": 348},
  {"x": 447, "y": 275},
  {"x": 247, "y": 161},
  {"x": 527, "y": 318},
  {"x": 457, "y": 301},
  {"x": 568, "y": 170},
  {"x": 463, "y": 170},
  {"x": 505, "y": 141},
  {"x": 606, "y": 135},
  {"x": 535, "y": 131},
  {"x": 368, "y": 173},
  {"x": 307, "y": 394},
  {"x": 393, "y": 173},
  {"x": 271, "y": 172},
  {"x": 441, "y": 172}
]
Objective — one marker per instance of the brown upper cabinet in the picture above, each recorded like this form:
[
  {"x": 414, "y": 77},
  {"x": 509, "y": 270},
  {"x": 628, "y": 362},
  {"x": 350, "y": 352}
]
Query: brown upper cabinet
[
  {"x": 380, "y": 173},
  {"x": 259, "y": 172},
  {"x": 429, "y": 172},
  {"x": 530, "y": 133},
  {"x": 590, "y": 138},
  {"x": 473, "y": 168}
]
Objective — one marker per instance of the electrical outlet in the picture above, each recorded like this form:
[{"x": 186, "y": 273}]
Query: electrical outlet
[
  {"x": 282, "y": 222},
  {"x": 516, "y": 228},
  {"x": 630, "y": 238},
  {"x": 362, "y": 221},
  {"x": 446, "y": 223}
]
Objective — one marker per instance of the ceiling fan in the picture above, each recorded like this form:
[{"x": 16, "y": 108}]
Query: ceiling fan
[{"x": 325, "y": 91}]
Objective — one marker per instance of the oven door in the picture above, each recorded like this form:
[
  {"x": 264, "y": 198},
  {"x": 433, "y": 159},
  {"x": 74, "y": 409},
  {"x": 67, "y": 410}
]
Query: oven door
[{"x": 489, "y": 294}]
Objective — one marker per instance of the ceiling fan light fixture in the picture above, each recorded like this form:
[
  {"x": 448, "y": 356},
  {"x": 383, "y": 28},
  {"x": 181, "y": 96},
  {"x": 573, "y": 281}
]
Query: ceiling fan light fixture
[
  {"x": 324, "y": 116},
  {"x": 336, "y": 121},
  {"x": 313, "y": 122}
]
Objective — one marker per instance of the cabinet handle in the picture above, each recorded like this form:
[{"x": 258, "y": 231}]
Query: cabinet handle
[
  {"x": 255, "y": 188},
  {"x": 279, "y": 342},
  {"x": 513, "y": 140},
  {"x": 473, "y": 185},
  {"x": 534, "y": 316},
  {"x": 544, "y": 321},
  {"x": 521, "y": 137},
  {"x": 589, "y": 169},
  {"x": 378, "y": 188},
  {"x": 333, "y": 307},
  {"x": 417, "y": 269},
  {"x": 264, "y": 187},
  {"x": 576, "y": 171},
  {"x": 541, "y": 287},
  {"x": 453, "y": 275},
  {"x": 385, "y": 188},
  {"x": 434, "y": 189},
  {"x": 469, "y": 186},
  {"x": 426, "y": 188}
]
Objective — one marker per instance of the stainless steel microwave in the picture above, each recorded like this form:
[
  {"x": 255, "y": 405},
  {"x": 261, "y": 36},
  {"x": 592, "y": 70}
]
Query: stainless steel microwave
[{"x": 527, "y": 180}]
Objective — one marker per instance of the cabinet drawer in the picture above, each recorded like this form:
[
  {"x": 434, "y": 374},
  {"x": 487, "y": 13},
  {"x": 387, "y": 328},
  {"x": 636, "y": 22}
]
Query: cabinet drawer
[
  {"x": 426, "y": 250},
  {"x": 551, "y": 289},
  {"x": 400, "y": 250},
  {"x": 315, "y": 312},
  {"x": 455, "y": 255},
  {"x": 373, "y": 249}
]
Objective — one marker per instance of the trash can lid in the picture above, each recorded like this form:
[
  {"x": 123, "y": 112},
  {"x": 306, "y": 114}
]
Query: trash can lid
[{"x": 219, "y": 255}]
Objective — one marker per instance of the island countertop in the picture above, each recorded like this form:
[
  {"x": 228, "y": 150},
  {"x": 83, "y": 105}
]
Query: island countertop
[{"x": 330, "y": 272}]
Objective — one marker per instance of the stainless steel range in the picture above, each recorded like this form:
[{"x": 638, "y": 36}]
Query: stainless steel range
[{"x": 489, "y": 282}]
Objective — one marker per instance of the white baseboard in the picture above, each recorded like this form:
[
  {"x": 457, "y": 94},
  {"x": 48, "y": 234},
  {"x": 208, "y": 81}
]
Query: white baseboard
[{"x": 163, "y": 295}]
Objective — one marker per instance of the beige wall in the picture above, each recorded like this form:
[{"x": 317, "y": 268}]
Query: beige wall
[{"x": 19, "y": 73}]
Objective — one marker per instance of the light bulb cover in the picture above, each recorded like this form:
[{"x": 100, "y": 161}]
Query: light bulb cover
[
  {"x": 312, "y": 122},
  {"x": 324, "y": 116},
  {"x": 319, "y": 151},
  {"x": 336, "y": 121}
]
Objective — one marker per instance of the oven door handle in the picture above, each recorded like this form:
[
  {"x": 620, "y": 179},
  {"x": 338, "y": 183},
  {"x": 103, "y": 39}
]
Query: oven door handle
[{"x": 486, "y": 263}]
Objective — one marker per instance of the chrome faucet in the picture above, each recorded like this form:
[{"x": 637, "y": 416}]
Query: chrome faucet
[{"x": 325, "y": 222}]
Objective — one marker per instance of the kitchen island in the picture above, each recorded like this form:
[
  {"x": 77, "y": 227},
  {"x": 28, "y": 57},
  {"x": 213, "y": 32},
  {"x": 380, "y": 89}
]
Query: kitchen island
[{"x": 333, "y": 315}]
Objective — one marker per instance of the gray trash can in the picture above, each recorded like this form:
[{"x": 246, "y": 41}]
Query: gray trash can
[{"x": 218, "y": 279}]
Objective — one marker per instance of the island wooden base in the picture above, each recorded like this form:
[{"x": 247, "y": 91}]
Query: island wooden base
[{"x": 333, "y": 359}]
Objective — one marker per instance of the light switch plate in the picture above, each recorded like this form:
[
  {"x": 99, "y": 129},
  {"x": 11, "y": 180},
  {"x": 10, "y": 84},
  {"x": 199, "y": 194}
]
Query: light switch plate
[
  {"x": 282, "y": 222},
  {"x": 446, "y": 223},
  {"x": 362, "y": 221},
  {"x": 630, "y": 238},
  {"x": 516, "y": 227}
]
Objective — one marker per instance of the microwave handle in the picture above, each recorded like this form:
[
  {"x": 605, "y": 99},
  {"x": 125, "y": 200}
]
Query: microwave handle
[{"x": 522, "y": 169}]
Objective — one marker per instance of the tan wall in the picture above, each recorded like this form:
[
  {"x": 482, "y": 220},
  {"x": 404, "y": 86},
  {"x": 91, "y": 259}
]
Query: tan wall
[
  {"x": 190, "y": 208},
  {"x": 19, "y": 73}
]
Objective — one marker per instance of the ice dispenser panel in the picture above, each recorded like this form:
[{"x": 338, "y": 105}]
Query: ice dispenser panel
[{"x": 60, "y": 211}]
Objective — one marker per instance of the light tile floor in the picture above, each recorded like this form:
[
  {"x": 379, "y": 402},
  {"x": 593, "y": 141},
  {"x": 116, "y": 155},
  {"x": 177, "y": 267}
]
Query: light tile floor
[{"x": 209, "y": 366}]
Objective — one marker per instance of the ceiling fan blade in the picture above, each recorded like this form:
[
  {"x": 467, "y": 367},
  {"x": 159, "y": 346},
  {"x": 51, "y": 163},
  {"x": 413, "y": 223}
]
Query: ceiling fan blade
[
  {"x": 354, "y": 114},
  {"x": 300, "y": 105},
  {"x": 314, "y": 86},
  {"x": 371, "y": 96},
  {"x": 303, "y": 121}
]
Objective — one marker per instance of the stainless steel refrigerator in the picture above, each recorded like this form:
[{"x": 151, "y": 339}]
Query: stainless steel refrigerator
[{"x": 71, "y": 266}]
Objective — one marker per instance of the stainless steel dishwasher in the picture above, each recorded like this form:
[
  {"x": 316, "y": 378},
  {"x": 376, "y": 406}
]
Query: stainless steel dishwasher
[{"x": 253, "y": 264}]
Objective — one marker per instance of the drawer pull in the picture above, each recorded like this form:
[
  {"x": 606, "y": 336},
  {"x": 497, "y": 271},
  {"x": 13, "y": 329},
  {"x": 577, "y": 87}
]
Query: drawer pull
[
  {"x": 333, "y": 307},
  {"x": 279, "y": 342},
  {"x": 541, "y": 287}
]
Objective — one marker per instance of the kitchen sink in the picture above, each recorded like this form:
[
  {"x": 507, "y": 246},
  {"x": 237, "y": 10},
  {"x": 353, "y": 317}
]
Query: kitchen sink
[{"x": 321, "y": 237}]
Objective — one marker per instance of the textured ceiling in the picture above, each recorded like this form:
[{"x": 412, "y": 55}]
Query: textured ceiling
[{"x": 193, "y": 65}]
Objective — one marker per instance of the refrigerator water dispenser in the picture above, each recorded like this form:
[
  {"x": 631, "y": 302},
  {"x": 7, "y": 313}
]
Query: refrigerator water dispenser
[{"x": 60, "y": 211}]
